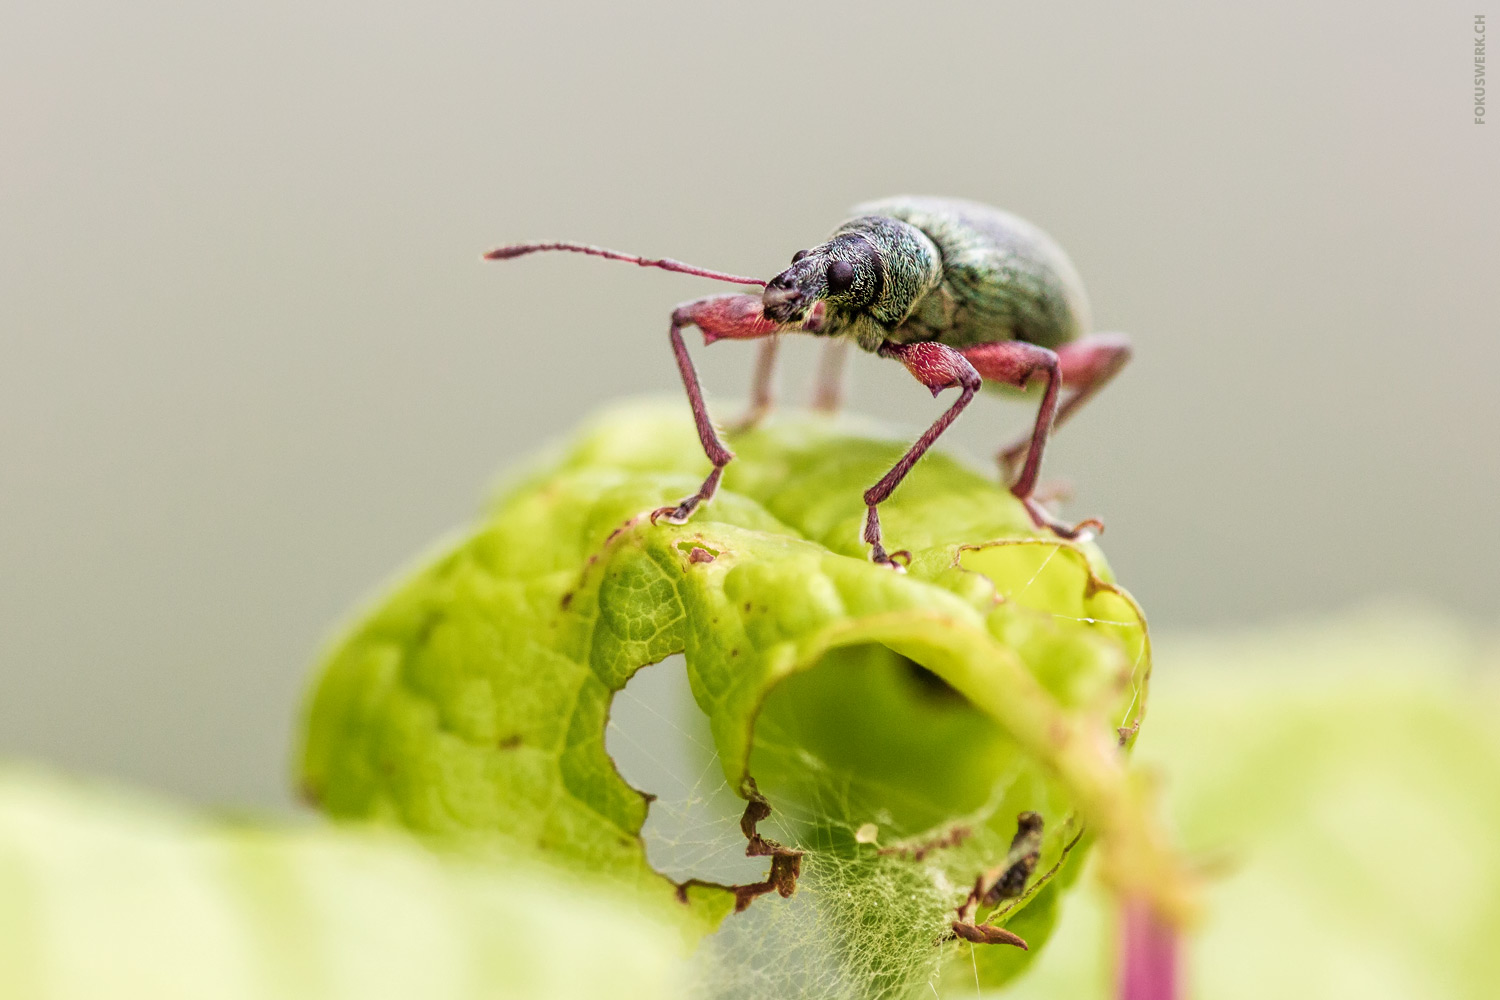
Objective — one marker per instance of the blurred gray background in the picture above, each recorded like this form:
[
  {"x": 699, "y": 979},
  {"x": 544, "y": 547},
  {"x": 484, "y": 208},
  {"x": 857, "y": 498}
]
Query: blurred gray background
[{"x": 250, "y": 362}]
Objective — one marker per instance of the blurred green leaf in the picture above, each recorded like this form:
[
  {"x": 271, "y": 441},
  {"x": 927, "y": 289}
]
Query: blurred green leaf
[
  {"x": 104, "y": 895},
  {"x": 1342, "y": 783},
  {"x": 472, "y": 701}
]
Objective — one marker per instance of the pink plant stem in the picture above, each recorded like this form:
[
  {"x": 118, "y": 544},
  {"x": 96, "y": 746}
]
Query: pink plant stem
[{"x": 1148, "y": 954}]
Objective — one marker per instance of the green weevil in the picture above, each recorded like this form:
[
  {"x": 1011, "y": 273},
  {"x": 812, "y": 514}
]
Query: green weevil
[{"x": 960, "y": 293}]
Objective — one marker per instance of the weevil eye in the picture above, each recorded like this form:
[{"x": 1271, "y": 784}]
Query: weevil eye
[
  {"x": 840, "y": 276},
  {"x": 798, "y": 255}
]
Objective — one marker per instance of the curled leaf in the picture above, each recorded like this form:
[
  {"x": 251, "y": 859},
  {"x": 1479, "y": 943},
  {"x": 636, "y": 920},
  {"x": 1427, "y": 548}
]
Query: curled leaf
[{"x": 991, "y": 681}]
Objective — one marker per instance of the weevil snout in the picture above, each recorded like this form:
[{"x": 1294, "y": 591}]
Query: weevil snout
[
  {"x": 789, "y": 295},
  {"x": 782, "y": 300}
]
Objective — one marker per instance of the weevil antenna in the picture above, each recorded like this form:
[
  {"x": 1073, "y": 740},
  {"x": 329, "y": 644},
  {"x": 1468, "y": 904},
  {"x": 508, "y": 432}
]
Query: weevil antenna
[{"x": 665, "y": 263}]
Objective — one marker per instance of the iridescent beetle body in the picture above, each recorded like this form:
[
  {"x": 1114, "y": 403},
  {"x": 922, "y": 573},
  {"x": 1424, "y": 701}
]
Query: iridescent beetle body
[
  {"x": 962, "y": 294},
  {"x": 955, "y": 272}
]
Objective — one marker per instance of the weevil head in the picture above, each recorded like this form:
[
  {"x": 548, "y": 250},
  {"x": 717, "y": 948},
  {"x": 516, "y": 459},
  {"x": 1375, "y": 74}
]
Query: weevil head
[{"x": 845, "y": 274}]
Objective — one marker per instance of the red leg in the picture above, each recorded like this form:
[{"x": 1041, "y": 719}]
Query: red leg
[
  {"x": 1087, "y": 366},
  {"x": 1014, "y": 363},
  {"x": 937, "y": 367},
  {"x": 720, "y": 317}
]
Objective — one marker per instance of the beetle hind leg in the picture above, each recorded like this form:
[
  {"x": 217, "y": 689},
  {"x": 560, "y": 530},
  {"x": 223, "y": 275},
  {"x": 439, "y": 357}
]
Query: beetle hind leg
[
  {"x": 1015, "y": 363},
  {"x": 1087, "y": 365}
]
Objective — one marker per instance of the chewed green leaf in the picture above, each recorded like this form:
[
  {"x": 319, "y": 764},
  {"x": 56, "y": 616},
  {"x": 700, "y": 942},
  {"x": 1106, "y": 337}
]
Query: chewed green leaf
[{"x": 945, "y": 701}]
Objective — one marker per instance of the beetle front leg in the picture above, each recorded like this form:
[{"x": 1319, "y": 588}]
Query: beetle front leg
[
  {"x": 938, "y": 368},
  {"x": 720, "y": 317},
  {"x": 1015, "y": 363}
]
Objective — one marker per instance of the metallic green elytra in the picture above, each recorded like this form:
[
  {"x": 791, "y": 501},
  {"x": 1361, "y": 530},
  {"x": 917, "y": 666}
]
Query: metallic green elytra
[{"x": 935, "y": 269}]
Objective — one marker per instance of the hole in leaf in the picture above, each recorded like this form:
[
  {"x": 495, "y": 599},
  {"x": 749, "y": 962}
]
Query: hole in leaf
[{"x": 660, "y": 743}]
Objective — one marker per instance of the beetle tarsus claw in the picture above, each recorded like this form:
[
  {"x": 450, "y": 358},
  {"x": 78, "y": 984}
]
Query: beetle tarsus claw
[
  {"x": 1042, "y": 518},
  {"x": 706, "y": 492},
  {"x": 897, "y": 561},
  {"x": 676, "y": 515}
]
